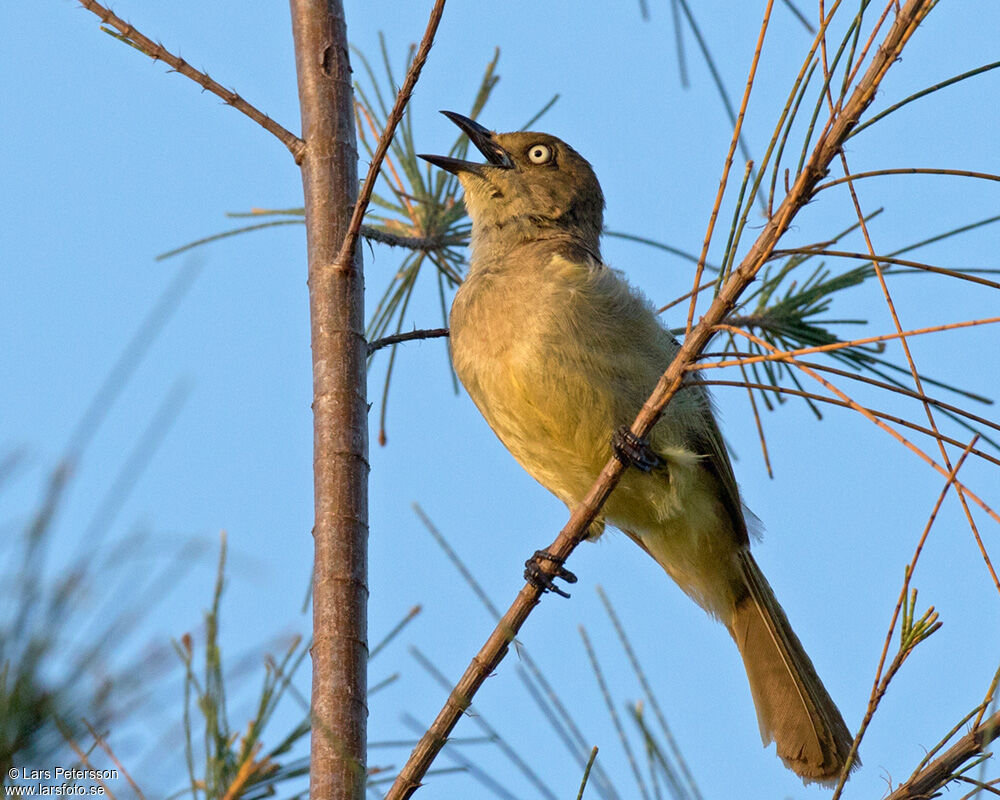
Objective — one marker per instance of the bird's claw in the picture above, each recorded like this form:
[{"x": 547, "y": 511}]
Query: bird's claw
[
  {"x": 542, "y": 578},
  {"x": 635, "y": 451}
]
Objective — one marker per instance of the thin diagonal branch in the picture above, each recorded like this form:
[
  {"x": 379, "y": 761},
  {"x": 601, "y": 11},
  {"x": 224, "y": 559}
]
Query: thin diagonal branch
[
  {"x": 990, "y": 697},
  {"x": 100, "y": 742},
  {"x": 881, "y": 683},
  {"x": 843, "y": 404},
  {"x": 84, "y": 759},
  {"x": 799, "y": 16},
  {"x": 706, "y": 285},
  {"x": 714, "y": 72},
  {"x": 395, "y": 116},
  {"x": 917, "y": 382},
  {"x": 827, "y": 146},
  {"x": 215, "y": 237},
  {"x": 756, "y": 415},
  {"x": 853, "y": 376},
  {"x": 865, "y": 413},
  {"x": 158, "y": 52},
  {"x": 724, "y": 180},
  {"x": 781, "y": 355},
  {"x": 976, "y": 712},
  {"x": 963, "y": 491},
  {"x": 615, "y": 719}
]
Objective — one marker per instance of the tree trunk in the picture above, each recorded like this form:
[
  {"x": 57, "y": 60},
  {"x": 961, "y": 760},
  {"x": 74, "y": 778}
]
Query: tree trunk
[{"x": 340, "y": 450}]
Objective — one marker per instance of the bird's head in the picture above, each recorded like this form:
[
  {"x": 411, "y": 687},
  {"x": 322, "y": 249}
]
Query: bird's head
[{"x": 533, "y": 186}]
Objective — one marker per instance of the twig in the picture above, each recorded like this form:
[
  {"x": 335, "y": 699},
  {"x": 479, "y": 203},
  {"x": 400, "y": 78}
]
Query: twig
[
  {"x": 938, "y": 773},
  {"x": 872, "y": 418},
  {"x": 586, "y": 773},
  {"x": 136, "y": 461},
  {"x": 246, "y": 771},
  {"x": 574, "y": 531},
  {"x": 799, "y": 16},
  {"x": 881, "y": 684},
  {"x": 877, "y": 173},
  {"x": 562, "y": 724},
  {"x": 400, "y": 188},
  {"x": 844, "y": 404},
  {"x": 456, "y": 561},
  {"x": 683, "y": 297},
  {"x": 724, "y": 180},
  {"x": 917, "y": 382},
  {"x": 540, "y": 113},
  {"x": 851, "y": 73},
  {"x": 402, "y": 98},
  {"x": 990, "y": 697},
  {"x": 369, "y": 233},
  {"x": 496, "y": 788},
  {"x": 980, "y": 786},
  {"x": 158, "y": 52},
  {"x": 714, "y": 72},
  {"x": 982, "y": 707},
  {"x": 947, "y": 234},
  {"x": 781, "y": 355},
  {"x": 118, "y": 764},
  {"x": 84, "y": 760},
  {"x": 653, "y": 702},
  {"x": 923, "y": 93},
  {"x": 631, "y": 237},
  {"x": 396, "y": 338},
  {"x": 615, "y": 719},
  {"x": 491, "y": 733},
  {"x": 377, "y": 687},
  {"x": 128, "y": 360},
  {"x": 679, "y": 42},
  {"x": 426, "y": 243},
  {"x": 215, "y": 237},
  {"x": 916, "y": 265},
  {"x": 570, "y": 734},
  {"x": 756, "y": 416},
  {"x": 406, "y": 620}
]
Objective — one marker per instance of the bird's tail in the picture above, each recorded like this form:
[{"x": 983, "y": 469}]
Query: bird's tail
[{"x": 793, "y": 708}]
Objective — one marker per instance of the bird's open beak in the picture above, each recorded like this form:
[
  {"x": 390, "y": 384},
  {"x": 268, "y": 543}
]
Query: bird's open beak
[{"x": 482, "y": 138}]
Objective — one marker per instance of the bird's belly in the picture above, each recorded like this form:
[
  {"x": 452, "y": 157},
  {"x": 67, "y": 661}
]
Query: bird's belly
[{"x": 552, "y": 422}]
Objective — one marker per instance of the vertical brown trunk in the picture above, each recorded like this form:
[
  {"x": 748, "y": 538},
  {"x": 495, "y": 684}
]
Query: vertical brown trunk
[{"x": 340, "y": 452}]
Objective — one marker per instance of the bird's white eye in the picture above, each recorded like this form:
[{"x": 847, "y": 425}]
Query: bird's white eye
[{"x": 539, "y": 154}]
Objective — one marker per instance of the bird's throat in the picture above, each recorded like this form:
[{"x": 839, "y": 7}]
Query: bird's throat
[{"x": 516, "y": 236}]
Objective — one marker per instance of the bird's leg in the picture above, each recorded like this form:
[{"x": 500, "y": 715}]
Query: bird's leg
[
  {"x": 634, "y": 451},
  {"x": 539, "y": 576}
]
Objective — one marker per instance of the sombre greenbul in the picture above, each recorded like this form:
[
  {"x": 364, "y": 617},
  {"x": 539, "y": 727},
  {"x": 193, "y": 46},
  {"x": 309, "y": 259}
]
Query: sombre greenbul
[{"x": 559, "y": 352}]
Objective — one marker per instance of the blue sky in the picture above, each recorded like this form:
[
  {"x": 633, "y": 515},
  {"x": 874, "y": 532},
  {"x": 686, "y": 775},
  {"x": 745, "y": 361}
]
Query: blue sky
[{"x": 109, "y": 160}]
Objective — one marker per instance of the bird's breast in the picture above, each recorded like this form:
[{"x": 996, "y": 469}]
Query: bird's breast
[{"x": 542, "y": 360}]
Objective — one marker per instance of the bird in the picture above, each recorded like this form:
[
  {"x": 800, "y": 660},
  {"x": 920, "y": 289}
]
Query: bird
[{"x": 558, "y": 351}]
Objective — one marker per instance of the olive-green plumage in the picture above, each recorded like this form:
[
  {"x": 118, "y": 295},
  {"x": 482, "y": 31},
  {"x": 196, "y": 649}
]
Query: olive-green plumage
[{"x": 558, "y": 351}]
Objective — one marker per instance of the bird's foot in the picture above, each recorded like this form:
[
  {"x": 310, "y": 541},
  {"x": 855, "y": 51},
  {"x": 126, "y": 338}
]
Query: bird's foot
[
  {"x": 539, "y": 576},
  {"x": 635, "y": 451}
]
